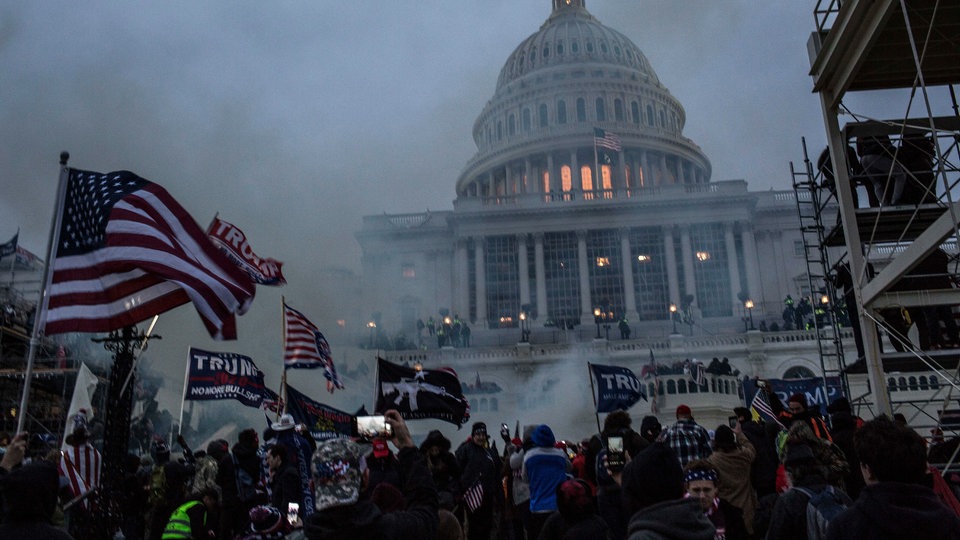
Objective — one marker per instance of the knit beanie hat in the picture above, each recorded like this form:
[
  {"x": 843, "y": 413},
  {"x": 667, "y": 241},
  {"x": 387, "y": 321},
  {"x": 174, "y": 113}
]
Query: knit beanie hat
[
  {"x": 543, "y": 436},
  {"x": 653, "y": 476}
]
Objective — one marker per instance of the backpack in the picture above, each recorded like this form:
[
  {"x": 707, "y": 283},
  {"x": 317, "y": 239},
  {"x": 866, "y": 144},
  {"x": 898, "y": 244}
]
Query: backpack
[
  {"x": 247, "y": 490},
  {"x": 822, "y": 507}
]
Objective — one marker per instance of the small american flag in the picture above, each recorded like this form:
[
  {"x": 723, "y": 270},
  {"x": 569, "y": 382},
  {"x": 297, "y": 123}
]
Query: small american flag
[
  {"x": 306, "y": 347},
  {"x": 761, "y": 407},
  {"x": 474, "y": 496},
  {"x": 126, "y": 251},
  {"x": 605, "y": 139}
]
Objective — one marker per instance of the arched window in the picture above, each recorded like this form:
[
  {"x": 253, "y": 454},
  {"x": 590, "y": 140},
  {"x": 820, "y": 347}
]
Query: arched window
[
  {"x": 575, "y": 47},
  {"x": 682, "y": 386},
  {"x": 601, "y": 110},
  {"x": 663, "y": 119},
  {"x": 635, "y": 112},
  {"x": 559, "y": 49},
  {"x": 546, "y": 52},
  {"x": 913, "y": 383},
  {"x": 526, "y": 120},
  {"x": 589, "y": 46},
  {"x": 561, "y": 112},
  {"x": 511, "y": 125},
  {"x": 581, "y": 110},
  {"x": 499, "y": 130},
  {"x": 566, "y": 179},
  {"x": 726, "y": 387},
  {"x": 891, "y": 384},
  {"x": 543, "y": 115},
  {"x": 923, "y": 383},
  {"x": 694, "y": 388},
  {"x": 798, "y": 372},
  {"x": 713, "y": 385},
  {"x": 934, "y": 382},
  {"x": 902, "y": 383},
  {"x": 603, "y": 47},
  {"x": 483, "y": 404},
  {"x": 649, "y": 115},
  {"x": 586, "y": 178},
  {"x": 494, "y": 405},
  {"x": 618, "y": 110},
  {"x": 671, "y": 387}
]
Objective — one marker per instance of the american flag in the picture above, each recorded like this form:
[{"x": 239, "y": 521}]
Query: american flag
[
  {"x": 127, "y": 251},
  {"x": 605, "y": 139},
  {"x": 474, "y": 496},
  {"x": 306, "y": 347},
  {"x": 80, "y": 465},
  {"x": 761, "y": 407}
]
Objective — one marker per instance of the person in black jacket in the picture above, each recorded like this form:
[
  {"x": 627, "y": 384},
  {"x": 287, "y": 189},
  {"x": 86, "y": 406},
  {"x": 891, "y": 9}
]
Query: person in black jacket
[
  {"x": 479, "y": 463},
  {"x": 895, "y": 503},
  {"x": 284, "y": 480},
  {"x": 807, "y": 476},
  {"x": 234, "y": 506},
  {"x": 339, "y": 476}
]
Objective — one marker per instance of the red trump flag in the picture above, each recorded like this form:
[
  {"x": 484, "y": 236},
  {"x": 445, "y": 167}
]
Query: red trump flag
[{"x": 126, "y": 251}]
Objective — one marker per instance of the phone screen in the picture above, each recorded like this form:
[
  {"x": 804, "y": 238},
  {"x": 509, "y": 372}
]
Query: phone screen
[
  {"x": 615, "y": 456},
  {"x": 732, "y": 421},
  {"x": 293, "y": 512},
  {"x": 373, "y": 427}
]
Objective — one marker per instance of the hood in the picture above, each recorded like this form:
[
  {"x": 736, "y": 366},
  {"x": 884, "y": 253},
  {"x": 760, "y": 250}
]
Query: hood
[
  {"x": 30, "y": 492},
  {"x": 679, "y": 519},
  {"x": 348, "y": 522}
]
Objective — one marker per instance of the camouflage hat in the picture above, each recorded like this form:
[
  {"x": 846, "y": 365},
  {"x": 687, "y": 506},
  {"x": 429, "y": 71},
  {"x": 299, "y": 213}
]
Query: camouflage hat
[{"x": 337, "y": 470}]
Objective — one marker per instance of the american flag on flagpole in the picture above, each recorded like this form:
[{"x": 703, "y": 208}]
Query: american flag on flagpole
[
  {"x": 605, "y": 139},
  {"x": 126, "y": 251},
  {"x": 306, "y": 347}
]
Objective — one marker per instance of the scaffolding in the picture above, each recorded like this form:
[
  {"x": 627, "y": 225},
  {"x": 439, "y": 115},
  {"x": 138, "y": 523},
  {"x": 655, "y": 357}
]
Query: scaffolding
[{"x": 905, "y": 56}]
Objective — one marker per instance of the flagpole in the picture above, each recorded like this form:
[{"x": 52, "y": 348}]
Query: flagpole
[
  {"x": 593, "y": 394},
  {"x": 183, "y": 396},
  {"x": 13, "y": 260},
  {"x": 283, "y": 352},
  {"x": 596, "y": 163},
  {"x": 40, "y": 316}
]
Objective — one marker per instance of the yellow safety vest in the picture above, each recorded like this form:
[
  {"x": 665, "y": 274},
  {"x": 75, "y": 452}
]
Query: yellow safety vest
[{"x": 179, "y": 525}]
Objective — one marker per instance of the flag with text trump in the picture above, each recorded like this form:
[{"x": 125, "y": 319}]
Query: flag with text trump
[
  {"x": 126, "y": 251},
  {"x": 233, "y": 243},
  {"x": 305, "y": 347},
  {"x": 617, "y": 388},
  {"x": 225, "y": 375}
]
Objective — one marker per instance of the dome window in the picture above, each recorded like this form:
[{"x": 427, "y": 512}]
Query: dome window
[
  {"x": 533, "y": 57},
  {"x": 649, "y": 115},
  {"x": 581, "y": 110},
  {"x": 589, "y": 46},
  {"x": 616, "y": 52},
  {"x": 635, "y": 112},
  {"x": 499, "y": 131},
  {"x": 543, "y": 115},
  {"x": 559, "y": 49},
  {"x": 574, "y": 47},
  {"x": 603, "y": 47},
  {"x": 618, "y": 110},
  {"x": 561, "y": 112},
  {"x": 526, "y": 120},
  {"x": 546, "y": 52},
  {"x": 520, "y": 60},
  {"x": 601, "y": 110},
  {"x": 511, "y": 125}
]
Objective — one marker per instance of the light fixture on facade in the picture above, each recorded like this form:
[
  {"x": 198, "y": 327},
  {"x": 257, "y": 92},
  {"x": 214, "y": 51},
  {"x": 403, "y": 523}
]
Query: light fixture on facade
[
  {"x": 643, "y": 258},
  {"x": 703, "y": 256},
  {"x": 603, "y": 261}
]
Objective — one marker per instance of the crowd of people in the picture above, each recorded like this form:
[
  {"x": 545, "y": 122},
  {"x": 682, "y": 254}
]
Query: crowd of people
[{"x": 800, "y": 475}]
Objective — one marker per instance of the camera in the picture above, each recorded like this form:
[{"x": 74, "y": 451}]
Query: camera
[
  {"x": 615, "y": 456},
  {"x": 373, "y": 427}
]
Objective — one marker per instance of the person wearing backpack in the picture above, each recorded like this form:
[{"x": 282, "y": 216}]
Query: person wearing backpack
[
  {"x": 896, "y": 501},
  {"x": 805, "y": 510},
  {"x": 238, "y": 476}
]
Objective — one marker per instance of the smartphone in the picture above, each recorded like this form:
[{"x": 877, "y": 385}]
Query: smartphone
[
  {"x": 373, "y": 427},
  {"x": 615, "y": 457},
  {"x": 293, "y": 512},
  {"x": 732, "y": 421},
  {"x": 505, "y": 431}
]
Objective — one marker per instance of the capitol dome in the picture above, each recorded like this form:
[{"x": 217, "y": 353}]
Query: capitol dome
[{"x": 571, "y": 81}]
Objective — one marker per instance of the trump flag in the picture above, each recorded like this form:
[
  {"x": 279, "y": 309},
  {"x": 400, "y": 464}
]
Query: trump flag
[{"x": 617, "y": 388}]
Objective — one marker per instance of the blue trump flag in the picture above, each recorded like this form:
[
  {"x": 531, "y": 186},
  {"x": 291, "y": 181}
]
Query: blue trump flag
[
  {"x": 224, "y": 375},
  {"x": 322, "y": 421},
  {"x": 617, "y": 388},
  {"x": 812, "y": 389}
]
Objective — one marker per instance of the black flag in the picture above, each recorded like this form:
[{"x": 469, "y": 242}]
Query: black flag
[{"x": 421, "y": 393}]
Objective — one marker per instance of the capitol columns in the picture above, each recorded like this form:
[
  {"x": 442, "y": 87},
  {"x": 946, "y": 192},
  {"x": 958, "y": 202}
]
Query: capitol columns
[
  {"x": 523, "y": 268},
  {"x": 541, "y": 273},
  {"x": 689, "y": 278},
  {"x": 583, "y": 269},
  {"x": 733, "y": 267},
  {"x": 669, "y": 251},
  {"x": 479, "y": 270},
  {"x": 751, "y": 263},
  {"x": 461, "y": 279},
  {"x": 630, "y": 294}
]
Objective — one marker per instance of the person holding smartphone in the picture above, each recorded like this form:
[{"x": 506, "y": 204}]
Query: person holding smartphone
[{"x": 340, "y": 475}]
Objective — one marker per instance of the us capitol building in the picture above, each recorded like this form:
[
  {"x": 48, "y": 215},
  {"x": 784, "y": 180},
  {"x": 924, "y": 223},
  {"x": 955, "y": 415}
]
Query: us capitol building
[{"x": 585, "y": 204}]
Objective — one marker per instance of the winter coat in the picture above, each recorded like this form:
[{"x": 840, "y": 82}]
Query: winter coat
[
  {"x": 680, "y": 519},
  {"x": 590, "y": 527},
  {"x": 364, "y": 520},
  {"x": 789, "y": 518},
  {"x": 896, "y": 510},
  {"x": 734, "y": 471}
]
